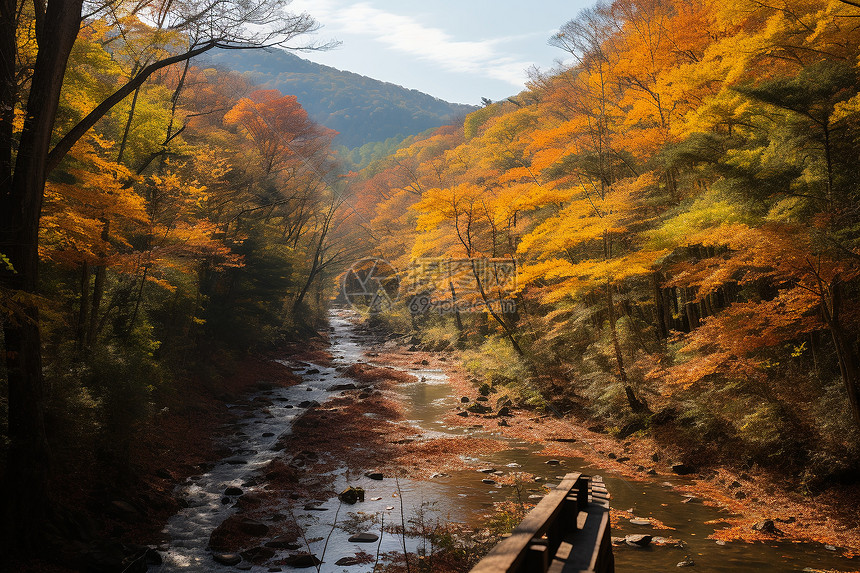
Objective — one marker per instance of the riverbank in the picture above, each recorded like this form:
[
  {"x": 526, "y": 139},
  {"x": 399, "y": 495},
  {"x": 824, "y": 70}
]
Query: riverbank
[
  {"x": 109, "y": 511},
  {"x": 753, "y": 495}
]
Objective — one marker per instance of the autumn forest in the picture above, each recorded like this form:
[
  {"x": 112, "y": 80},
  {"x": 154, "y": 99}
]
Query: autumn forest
[{"x": 658, "y": 240}]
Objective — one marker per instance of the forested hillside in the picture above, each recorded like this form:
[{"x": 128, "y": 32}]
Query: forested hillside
[
  {"x": 159, "y": 222},
  {"x": 681, "y": 205},
  {"x": 362, "y": 110}
]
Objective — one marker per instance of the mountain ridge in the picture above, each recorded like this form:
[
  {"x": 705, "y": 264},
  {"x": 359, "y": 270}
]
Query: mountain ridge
[{"x": 361, "y": 109}]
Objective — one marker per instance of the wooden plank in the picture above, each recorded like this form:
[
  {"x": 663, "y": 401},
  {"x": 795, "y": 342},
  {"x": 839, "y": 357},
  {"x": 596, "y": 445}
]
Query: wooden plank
[
  {"x": 586, "y": 544},
  {"x": 510, "y": 553}
]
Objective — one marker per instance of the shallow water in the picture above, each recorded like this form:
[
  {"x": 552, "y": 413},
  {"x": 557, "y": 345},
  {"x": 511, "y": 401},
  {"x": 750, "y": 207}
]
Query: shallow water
[{"x": 457, "y": 496}]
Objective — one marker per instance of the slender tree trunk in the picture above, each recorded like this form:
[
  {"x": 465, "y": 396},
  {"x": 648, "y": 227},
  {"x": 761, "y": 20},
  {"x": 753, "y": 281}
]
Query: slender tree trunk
[
  {"x": 83, "y": 311},
  {"x": 660, "y": 314},
  {"x": 129, "y": 121},
  {"x": 458, "y": 320},
  {"x": 508, "y": 330},
  {"x": 27, "y": 466},
  {"x": 98, "y": 288},
  {"x": 846, "y": 354},
  {"x": 137, "y": 301},
  {"x": 635, "y": 404}
]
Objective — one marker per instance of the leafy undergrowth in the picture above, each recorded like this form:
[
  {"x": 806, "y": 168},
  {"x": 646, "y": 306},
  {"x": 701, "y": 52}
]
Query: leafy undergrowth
[{"x": 828, "y": 517}]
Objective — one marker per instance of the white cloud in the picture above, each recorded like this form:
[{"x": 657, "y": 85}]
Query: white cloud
[{"x": 405, "y": 34}]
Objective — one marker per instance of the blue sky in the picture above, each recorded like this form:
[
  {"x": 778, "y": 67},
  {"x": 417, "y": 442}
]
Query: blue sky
[{"x": 459, "y": 51}]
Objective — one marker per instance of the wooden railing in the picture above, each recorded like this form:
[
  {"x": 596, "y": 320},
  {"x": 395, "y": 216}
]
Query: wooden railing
[{"x": 567, "y": 532}]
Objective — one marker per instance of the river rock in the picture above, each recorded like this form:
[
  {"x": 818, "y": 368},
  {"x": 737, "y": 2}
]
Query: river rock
[
  {"x": 249, "y": 500},
  {"x": 236, "y": 527},
  {"x": 552, "y": 462},
  {"x": 314, "y": 507},
  {"x": 364, "y": 537},
  {"x": 282, "y": 542},
  {"x": 478, "y": 408},
  {"x": 312, "y": 371},
  {"x": 302, "y": 560},
  {"x": 668, "y": 542},
  {"x": 691, "y": 499},
  {"x": 351, "y": 495},
  {"x": 638, "y": 540},
  {"x": 374, "y": 475},
  {"x": 681, "y": 469},
  {"x": 227, "y": 558},
  {"x": 258, "y": 554},
  {"x": 487, "y": 470},
  {"x": 268, "y": 434},
  {"x": 488, "y": 481},
  {"x": 687, "y": 562},
  {"x": 767, "y": 526},
  {"x": 347, "y": 561},
  {"x": 347, "y": 386},
  {"x": 640, "y": 521},
  {"x": 236, "y": 461},
  {"x": 233, "y": 490}
]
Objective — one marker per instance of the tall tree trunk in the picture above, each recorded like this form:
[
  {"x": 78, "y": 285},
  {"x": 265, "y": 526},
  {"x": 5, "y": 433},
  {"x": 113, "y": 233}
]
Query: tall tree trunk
[
  {"x": 458, "y": 320},
  {"x": 846, "y": 354},
  {"x": 635, "y": 403},
  {"x": 98, "y": 288},
  {"x": 509, "y": 332},
  {"x": 83, "y": 310},
  {"x": 27, "y": 466},
  {"x": 660, "y": 310}
]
